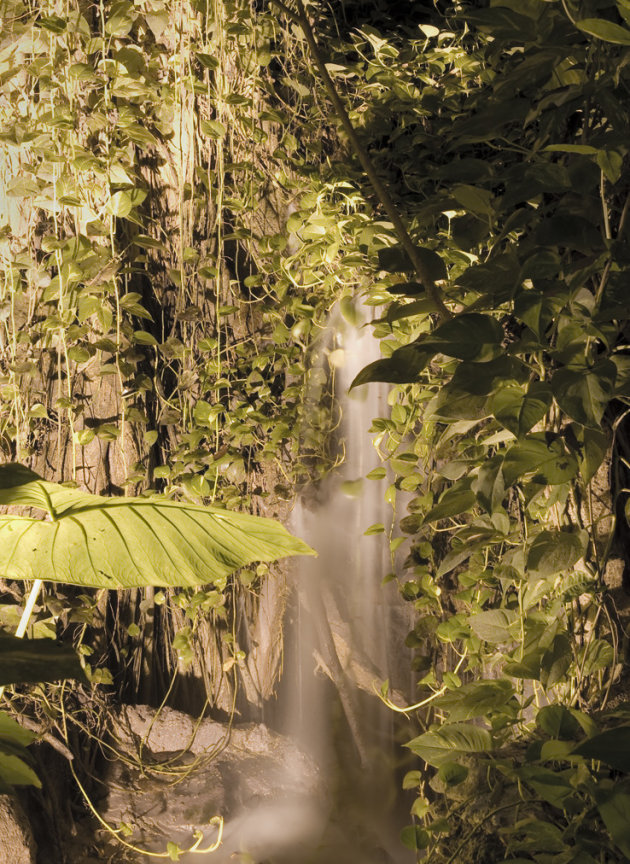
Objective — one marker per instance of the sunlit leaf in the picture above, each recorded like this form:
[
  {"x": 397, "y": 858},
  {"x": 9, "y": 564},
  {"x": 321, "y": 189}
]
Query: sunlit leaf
[{"x": 125, "y": 542}]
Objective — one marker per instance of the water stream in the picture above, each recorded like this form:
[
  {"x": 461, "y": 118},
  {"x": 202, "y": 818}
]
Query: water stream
[{"x": 344, "y": 636}]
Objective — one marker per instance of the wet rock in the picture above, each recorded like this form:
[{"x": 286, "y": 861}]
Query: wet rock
[
  {"x": 268, "y": 792},
  {"x": 17, "y": 845}
]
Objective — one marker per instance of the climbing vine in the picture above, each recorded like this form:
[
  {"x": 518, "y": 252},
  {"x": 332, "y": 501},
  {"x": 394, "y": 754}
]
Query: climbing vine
[{"x": 188, "y": 191}]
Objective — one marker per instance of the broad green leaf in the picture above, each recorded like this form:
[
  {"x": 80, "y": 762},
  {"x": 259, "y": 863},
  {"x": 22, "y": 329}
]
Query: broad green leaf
[
  {"x": 494, "y": 625},
  {"x": 519, "y": 411},
  {"x": 614, "y": 808},
  {"x": 30, "y": 661},
  {"x": 414, "y": 837},
  {"x": 476, "y": 699},
  {"x": 489, "y": 486},
  {"x": 584, "y": 393},
  {"x": 126, "y": 542},
  {"x": 394, "y": 259},
  {"x": 594, "y": 449},
  {"x": 452, "y": 773},
  {"x": 556, "y": 660},
  {"x": 557, "y": 722},
  {"x": 12, "y": 732},
  {"x": 459, "y": 498},
  {"x": 157, "y": 21},
  {"x": 546, "y": 463},
  {"x": 568, "y": 230},
  {"x": 15, "y": 772},
  {"x": 213, "y": 128},
  {"x": 611, "y": 163},
  {"x": 120, "y": 204},
  {"x": 528, "y": 667},
  {"x": 553, "y": 551},
  {"x": 605, "y": 30},
  {"x": 611, "y": 747},
  {"x": 549, "y": 785},
  {"x": 474, "y": 199},
  {"x": 470, "y": 336},
  {"x": 599, "y": 655},
  {"x": 440, "y": 745},
  {"x": 403, "y": 367}
]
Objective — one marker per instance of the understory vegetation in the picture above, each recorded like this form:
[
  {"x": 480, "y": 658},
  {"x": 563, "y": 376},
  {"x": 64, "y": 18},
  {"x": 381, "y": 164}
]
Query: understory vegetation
[{"x": 187, "y": 191}]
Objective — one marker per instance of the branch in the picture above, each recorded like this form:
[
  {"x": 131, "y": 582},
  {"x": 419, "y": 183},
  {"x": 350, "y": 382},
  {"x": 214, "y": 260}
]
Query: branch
[{"x": 300, "y": 17}]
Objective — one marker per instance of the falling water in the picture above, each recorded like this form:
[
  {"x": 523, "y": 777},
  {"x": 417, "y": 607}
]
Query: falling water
[
  {"x": 348, "y": 629},
  {"x": 344, "y": 637}
]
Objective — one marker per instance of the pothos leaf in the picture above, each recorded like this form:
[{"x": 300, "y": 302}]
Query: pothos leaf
[{"x": 440, "y": 745}]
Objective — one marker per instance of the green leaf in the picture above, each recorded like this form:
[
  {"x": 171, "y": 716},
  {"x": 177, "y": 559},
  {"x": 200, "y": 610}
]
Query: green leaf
[
  {"x": 120, "y": 204},
  {"x": 394, "y": 259},
  {"x": 157, "y": 21},
  {"x": 553, "y": 552},
  {"x": 584, "y": 393},
  {"x": 605, "y": 30},
  {"x": 614, "y": 808},
  {"x": 12, "y": 732},
  {"x": 470, "y": 336},
  {"x": 213, "y": 129},
  {"x": 548, "y": 463},
  {"x": 439, "y": 745},
  {"x": 599, "y": 655},
  {"x": 494, "y": 625},
  {"x": 611, "y": 747},
  {"x": 519, "y": 411},
  {"x": 547, "y": 784},
  {"x": 142, "y": 337},
  {"x": 584, "y": 149},
  {"x": 15, "y": 772},
  {"x": 459, "y": 498},
  {"x": 414, "y": 837},
  {"x": 403, "y": 367},
  {"x": 557, "y": 722},
  {"x": 31, "y": 661},
  {"x": 452, "y": 773},
  {"x": 556, "y": 660},
  {"x": 476, "y": 699},
  {"x": 611, "y": 163},
  {"x": 126, "y": 542}
]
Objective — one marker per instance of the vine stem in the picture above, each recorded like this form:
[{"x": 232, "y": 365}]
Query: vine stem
[{"x": 301, "y": 18}]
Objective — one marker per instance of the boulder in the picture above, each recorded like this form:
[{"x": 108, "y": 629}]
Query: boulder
[{"x": 268, "y": 792}]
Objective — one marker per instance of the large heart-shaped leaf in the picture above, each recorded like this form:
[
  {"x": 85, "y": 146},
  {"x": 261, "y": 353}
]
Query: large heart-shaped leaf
[{"x": 126, "y": 542}]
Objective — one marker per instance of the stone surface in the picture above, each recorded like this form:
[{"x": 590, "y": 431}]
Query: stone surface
[
  {"x": 268, "y": 792},
  {"x": 17, "y": 845}
]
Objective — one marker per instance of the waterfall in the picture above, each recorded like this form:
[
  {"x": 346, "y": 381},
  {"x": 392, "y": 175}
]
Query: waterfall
[
  {"x": 348, "y": 628},
  {"x": 344, "y": 636}
]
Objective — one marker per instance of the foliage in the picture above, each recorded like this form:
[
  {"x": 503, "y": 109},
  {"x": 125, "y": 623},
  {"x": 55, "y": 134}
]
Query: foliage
[
  {"x": 507, "y": 129},
  {"x": 179, "y": 264}
]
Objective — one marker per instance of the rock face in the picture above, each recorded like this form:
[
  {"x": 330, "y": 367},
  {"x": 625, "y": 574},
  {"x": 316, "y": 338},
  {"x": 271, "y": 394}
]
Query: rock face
[
  {"x": 17, "y": 845},
  {"x": 268, "y": 792}
]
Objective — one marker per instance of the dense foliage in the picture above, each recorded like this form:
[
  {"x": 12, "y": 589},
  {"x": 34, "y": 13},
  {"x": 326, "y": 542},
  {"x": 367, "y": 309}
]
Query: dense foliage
[{"x": 186, "y": 207}]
